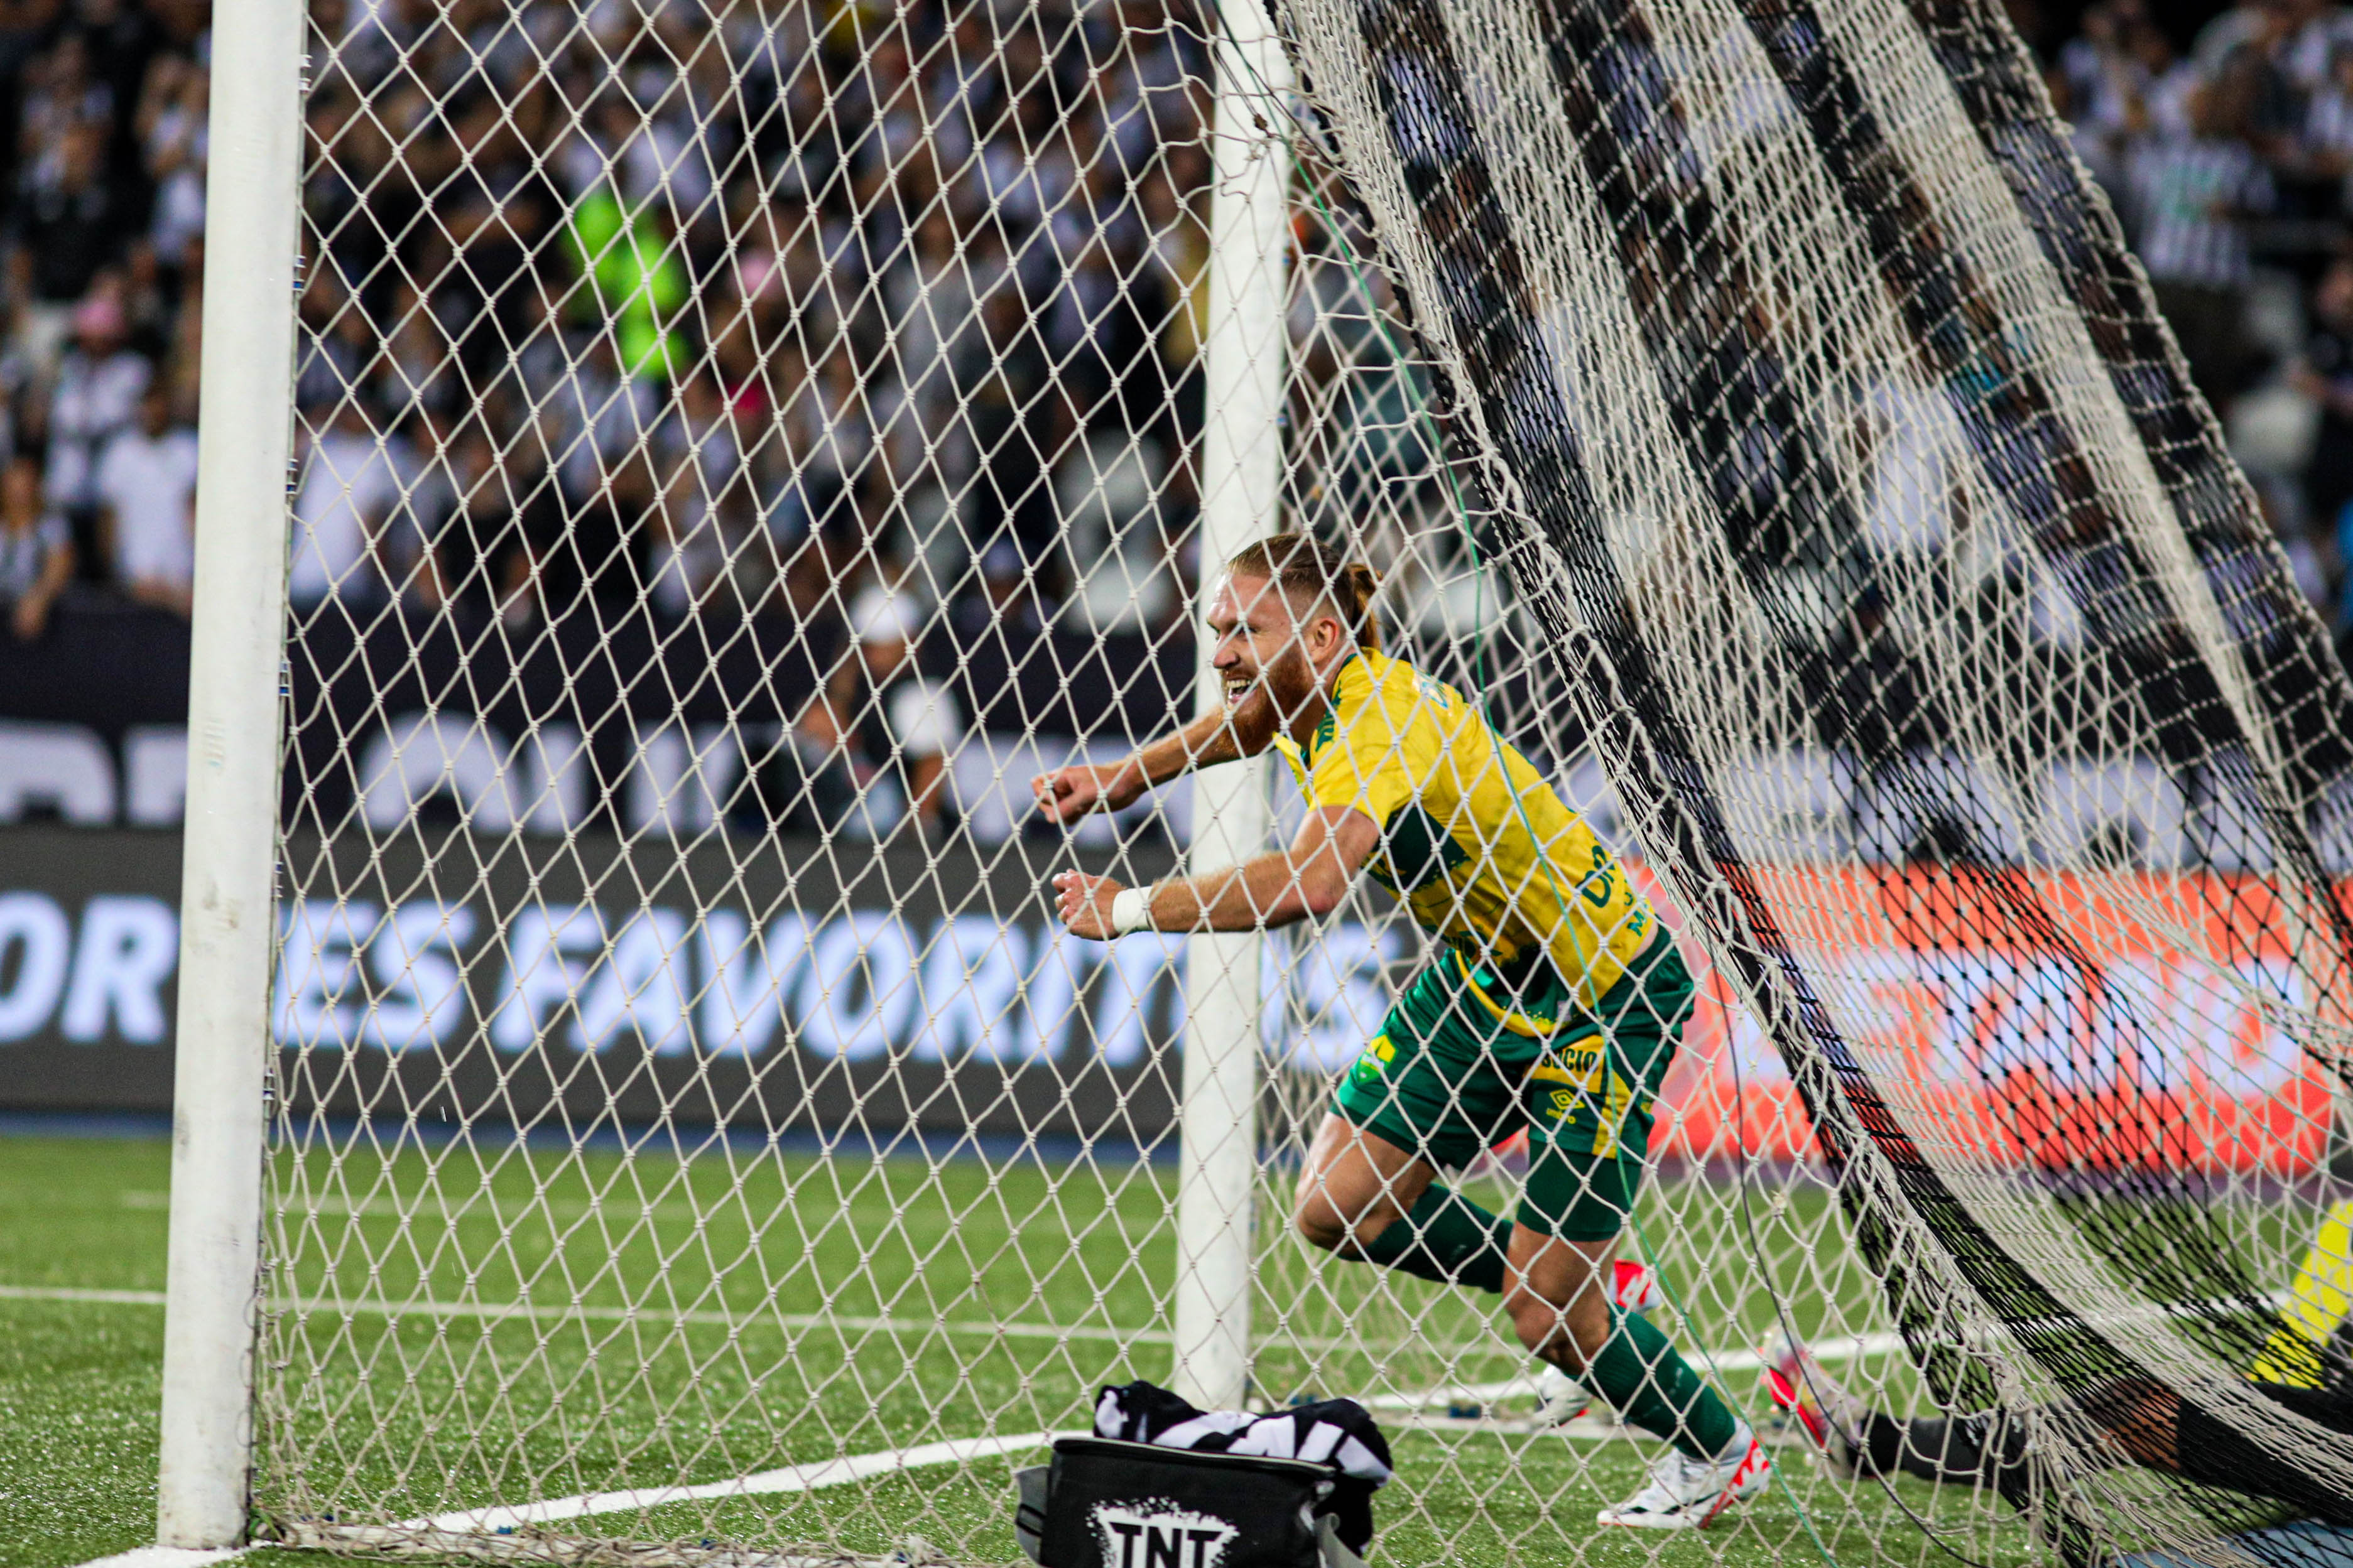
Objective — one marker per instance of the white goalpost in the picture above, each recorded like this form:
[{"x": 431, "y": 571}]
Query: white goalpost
[
  {"x": 1242, "y": 499},
  {"x": 220, "y": 1115}
]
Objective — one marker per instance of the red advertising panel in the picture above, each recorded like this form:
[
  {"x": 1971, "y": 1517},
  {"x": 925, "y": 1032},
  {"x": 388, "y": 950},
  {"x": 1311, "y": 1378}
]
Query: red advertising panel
[{"x": 1986, "y": 1032}]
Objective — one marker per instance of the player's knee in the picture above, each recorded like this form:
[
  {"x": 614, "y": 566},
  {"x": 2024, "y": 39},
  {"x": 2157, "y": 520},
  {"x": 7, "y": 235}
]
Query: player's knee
[
  {"x": 1318, "y": 1223},
  {"x": 1326, "y": 1222},
  {"x": 1539, "y": 1323},
  {"x": 1576, "y": 1328},
  {"x": 1320, "y": 1231}
]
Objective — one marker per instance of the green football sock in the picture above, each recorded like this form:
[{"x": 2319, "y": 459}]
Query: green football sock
[
  {"x": 1447, "y": 1238},
  {"x": 1649, "y": 1384}
]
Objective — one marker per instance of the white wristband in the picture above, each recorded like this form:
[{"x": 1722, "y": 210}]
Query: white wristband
[{"x": 1131, "y": 910}]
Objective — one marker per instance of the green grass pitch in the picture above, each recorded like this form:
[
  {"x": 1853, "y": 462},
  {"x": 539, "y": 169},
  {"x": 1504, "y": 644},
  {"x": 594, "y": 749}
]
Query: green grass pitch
[{"x": 705, "y": 1321}]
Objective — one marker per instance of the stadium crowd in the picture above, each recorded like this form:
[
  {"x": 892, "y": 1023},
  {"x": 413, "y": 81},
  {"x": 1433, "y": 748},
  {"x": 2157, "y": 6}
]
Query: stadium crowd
[
  {"x": 712, "y": 326},
  {"x": 2227, "y": 149},
  {"x": 583, "y": 325},
  {"x": 607, "y": 305},
  {"x": 101, "y": 157}
]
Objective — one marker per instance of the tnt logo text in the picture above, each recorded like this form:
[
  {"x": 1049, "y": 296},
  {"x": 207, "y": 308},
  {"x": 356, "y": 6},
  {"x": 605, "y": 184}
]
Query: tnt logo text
[{"x": 1160, "y": 1537}]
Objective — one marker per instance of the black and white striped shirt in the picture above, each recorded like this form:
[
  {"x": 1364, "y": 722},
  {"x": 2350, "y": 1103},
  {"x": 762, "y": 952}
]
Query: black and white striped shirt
[{"x": 2191, "y": 194}]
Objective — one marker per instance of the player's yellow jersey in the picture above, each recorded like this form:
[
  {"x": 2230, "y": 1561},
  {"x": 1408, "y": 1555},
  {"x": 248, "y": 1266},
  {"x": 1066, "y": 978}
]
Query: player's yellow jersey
[{"x": 1463, "y": 817}]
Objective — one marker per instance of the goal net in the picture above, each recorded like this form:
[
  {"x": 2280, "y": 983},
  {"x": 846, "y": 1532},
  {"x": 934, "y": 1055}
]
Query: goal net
[{"x": 739, "y": 446}]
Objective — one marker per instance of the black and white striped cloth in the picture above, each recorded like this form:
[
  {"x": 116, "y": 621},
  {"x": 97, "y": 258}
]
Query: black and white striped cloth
[{"x": 1338, "y": 1433}]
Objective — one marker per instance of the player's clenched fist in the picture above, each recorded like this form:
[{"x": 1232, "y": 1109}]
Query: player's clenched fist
[
  {"x": 1068, "y": 793},
  {"x": 1086, "y": 903}
]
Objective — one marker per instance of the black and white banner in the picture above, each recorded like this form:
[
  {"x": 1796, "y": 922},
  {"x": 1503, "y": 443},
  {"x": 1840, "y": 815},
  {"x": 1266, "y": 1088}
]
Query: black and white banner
[{"x": 791, "y": 986}]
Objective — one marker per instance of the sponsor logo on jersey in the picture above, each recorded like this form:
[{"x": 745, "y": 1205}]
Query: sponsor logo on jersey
[{"x": 1577, "y": 1063}]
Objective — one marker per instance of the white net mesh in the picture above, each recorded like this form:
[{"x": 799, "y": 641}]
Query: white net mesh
[
  {"x": 741, "y": 447},
  {"x": 1710, "y": 273}
]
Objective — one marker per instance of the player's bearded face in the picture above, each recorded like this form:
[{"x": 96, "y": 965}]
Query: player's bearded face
[{"x": 1270, "y": 680}]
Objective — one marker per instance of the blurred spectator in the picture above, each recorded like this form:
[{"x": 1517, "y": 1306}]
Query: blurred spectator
[
  {"x": 692, "y": 552},
  {"x": 339, "y": 347},
  {"x": 407, "y": 545},
  {"x": 146, "y": 489},
  {"x": 23, "y": 24},
  {"x": 184, "y": 338},
  {"x": 1914, "y": 493},
  {"x": 117, "y": 39},
  {"x": 2102, "y": 77},
  {"x": 349, "y": 484},
  {"x": 2311, "y": 33},
  {"x": 904, "y": 717},
  {"x": 466, "y": 549},
  {"x": 97, "y": 393},
  {"x": 415, "y": 369},
  {"x": 36, "y": 553},
  {"x": 59, "y": 98},
  {"x": 174, "y": 142},
  {"x": 2195, "y": 190},
  {"x": 1007, "y": 606},
  {"x": 67, "y": 223},
  {"x": 594, "y": 555},
  {"x": 871, "y": 749},
  {"x": 2325, "y": 374},
  {"x": 150, "y": 311}
]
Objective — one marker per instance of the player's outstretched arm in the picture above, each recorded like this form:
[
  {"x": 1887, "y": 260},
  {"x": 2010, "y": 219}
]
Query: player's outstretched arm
[
  {"x": 1068, "y": 793},
  {"x": 1305, "y": 880}
]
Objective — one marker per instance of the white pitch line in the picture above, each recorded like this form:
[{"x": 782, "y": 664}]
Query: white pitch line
[
  {"x": 525, "y": 1311},
  {"x": 169, "y": 1557},
  {"x": 792, "y": 1479},
  {"x": 1846, "y": 1349},
  {"x": 76, "y": 1293}
]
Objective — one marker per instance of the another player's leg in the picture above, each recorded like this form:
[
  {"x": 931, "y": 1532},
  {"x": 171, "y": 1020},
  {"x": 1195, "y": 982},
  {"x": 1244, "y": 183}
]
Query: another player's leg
[
  {"x": 1856, "y": 1442},
  {"x": 2146, "y": 1424},
  {"x": 1562, "y": 1251},
  {"x": 1988, "y": 1449}
]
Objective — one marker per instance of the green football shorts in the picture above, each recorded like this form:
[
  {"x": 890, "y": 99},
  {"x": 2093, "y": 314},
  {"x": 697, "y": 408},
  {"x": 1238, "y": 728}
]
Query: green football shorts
[{"x": 1447, "y": 1078}]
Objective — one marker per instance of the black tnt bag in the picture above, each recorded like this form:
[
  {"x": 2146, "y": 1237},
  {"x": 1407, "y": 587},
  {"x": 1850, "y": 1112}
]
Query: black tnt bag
[{"x": 1109, "y": 1504}]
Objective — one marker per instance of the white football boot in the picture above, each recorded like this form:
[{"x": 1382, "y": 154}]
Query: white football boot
[
  {"x": 1684, "y": 1493},
  {"x": 1560, "y": 1398}
]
